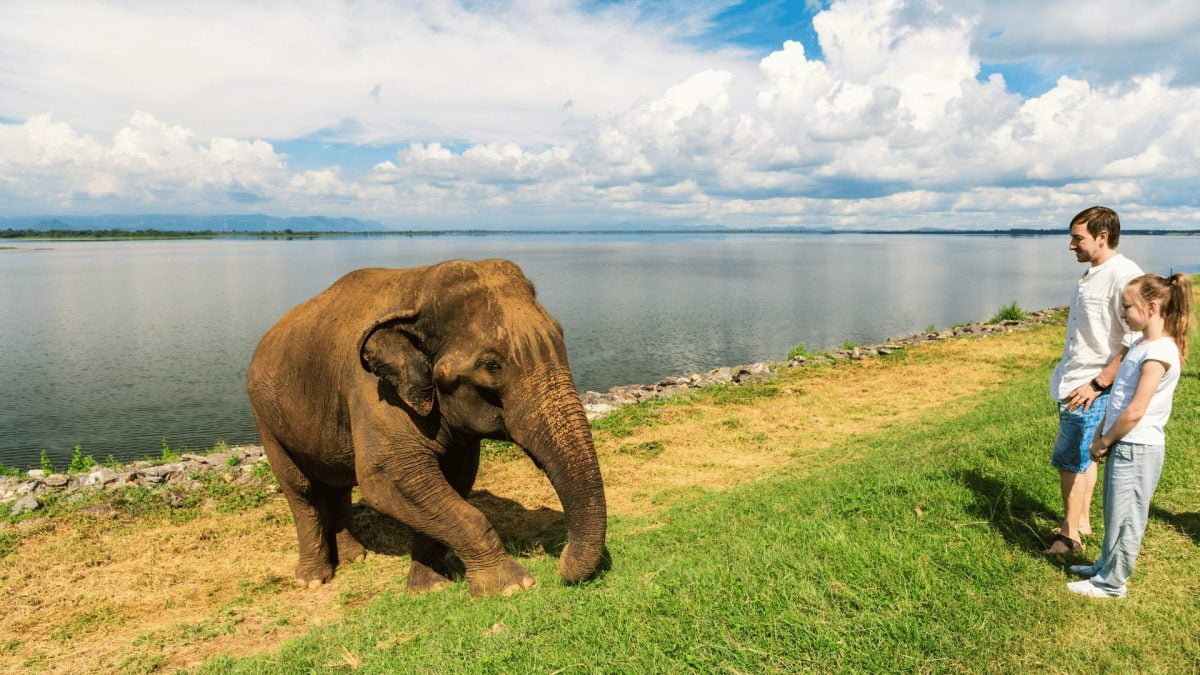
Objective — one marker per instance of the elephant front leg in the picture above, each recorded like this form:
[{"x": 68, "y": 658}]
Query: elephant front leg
[
  {"x": 429, "y": 571},
  {"x": 425, "y": 500}
]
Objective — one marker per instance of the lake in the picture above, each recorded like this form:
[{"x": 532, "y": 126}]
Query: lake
[{"x": 116, "y": 345}]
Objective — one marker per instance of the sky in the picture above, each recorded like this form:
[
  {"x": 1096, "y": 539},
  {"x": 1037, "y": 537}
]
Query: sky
[{"x": 880, "y": 114}]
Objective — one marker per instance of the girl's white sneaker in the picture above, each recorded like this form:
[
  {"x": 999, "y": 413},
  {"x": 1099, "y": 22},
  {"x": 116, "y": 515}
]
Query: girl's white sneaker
[{"x": 1086, "y": 587}]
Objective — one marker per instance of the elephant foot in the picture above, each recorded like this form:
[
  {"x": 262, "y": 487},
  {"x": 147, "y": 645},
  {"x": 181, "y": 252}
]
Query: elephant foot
[
  {"x": 349, "y": 549},
  {"x": 313, "y": 575},
  {"x": 423, "y": 579},
  {"x": 504, "y": 579}
]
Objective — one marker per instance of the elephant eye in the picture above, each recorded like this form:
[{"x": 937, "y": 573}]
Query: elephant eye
[{"x": 492, "y": 365}]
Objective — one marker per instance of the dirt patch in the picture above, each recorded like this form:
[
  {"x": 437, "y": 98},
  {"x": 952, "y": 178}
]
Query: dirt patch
[{"x": 104, "y": 591}]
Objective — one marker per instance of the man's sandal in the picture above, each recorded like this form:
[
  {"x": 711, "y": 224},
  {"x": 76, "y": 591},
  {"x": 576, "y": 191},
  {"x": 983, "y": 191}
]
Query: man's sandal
[
  {"x": 1063, "y": 545},
  {"x": 1058, "y": 530}
]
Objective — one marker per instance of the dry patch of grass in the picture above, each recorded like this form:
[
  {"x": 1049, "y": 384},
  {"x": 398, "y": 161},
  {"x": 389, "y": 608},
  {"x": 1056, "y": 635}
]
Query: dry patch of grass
[
  {"x": 710, "y": 444},
  {"x": 123, "y": 593},
  {"x": 128, "y": 593}
]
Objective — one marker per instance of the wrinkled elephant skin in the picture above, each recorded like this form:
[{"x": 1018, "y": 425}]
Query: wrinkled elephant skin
[{"x": 388, "y": 380}]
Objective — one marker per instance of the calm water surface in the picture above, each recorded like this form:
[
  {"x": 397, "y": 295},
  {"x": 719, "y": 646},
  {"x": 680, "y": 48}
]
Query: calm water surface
[{"x": 117, "y": 345}]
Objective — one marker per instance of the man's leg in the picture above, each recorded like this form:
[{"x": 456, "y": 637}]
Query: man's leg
[
  {"x": 1075, "y": 487},
  {"x": 1077, "y": 472},
  {"x": 1088, "y": 479}
]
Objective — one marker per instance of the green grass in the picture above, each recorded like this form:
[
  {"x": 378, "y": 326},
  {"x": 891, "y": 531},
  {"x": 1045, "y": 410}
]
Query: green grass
[
  {"x": 921, "y": 556},
  {"x": 646, "y": 450},
  {"x": 799, "y": 350},
  {"x": 1010, "y": 312},
  {"x": 498, "y": 451},
  {"x": 624, "y": 420}
]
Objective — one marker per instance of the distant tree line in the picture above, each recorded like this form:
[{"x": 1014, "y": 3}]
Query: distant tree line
[{"x": 117, "y": 233}]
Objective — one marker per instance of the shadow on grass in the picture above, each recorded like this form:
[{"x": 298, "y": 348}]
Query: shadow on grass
[
  {"x": 524, "y": 531},
  {"x": 1187, "y": 524},
  {"x": 1011, "y": 511}
]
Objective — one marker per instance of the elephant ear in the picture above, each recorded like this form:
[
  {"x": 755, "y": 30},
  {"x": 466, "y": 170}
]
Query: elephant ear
[{"x": 390, "y": 349}]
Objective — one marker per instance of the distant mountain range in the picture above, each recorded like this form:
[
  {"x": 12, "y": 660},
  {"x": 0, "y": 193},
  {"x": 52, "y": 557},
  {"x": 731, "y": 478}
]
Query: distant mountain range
[{"x": 254, "y": 222}]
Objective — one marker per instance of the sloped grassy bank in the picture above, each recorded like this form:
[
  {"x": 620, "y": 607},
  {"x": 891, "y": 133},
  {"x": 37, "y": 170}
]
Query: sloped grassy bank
[
  {"x": 874, "y": 514},
  {"x": 919, "y": 554}
]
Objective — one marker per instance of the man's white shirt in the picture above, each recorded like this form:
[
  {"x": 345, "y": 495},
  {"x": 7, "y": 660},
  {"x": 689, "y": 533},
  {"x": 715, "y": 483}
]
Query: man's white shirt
[{"x": 1095, "y": 329}]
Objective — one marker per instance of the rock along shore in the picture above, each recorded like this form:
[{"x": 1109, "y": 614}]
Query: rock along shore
[
  {"x": 599, "y": 404},
  {"x": 238, "y": 465}
]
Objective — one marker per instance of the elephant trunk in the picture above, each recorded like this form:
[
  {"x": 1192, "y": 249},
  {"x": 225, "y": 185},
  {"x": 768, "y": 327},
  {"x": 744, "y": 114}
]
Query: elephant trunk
[{"x": 551, "y": 426}]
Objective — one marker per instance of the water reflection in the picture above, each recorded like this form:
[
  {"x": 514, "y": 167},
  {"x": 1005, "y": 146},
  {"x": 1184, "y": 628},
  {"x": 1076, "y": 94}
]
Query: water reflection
[{"x": 116, "y": 345}]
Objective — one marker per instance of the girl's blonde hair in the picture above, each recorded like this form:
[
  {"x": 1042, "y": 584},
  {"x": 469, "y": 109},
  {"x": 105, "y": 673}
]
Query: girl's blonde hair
[{"x": 1174, "y": 297}]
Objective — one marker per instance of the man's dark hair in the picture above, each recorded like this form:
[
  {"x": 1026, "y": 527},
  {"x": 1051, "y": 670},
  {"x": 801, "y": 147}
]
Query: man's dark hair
[{"x": 1101, "y": 219}]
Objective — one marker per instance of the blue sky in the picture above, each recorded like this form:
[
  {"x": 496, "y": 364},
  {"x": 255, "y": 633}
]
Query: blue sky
[{"x": 531, "y": 113}]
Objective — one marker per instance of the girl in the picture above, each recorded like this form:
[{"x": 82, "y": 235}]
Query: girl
[{"x": 1138, "y": 407}]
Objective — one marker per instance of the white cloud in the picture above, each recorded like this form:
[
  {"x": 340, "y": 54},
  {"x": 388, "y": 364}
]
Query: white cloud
[
  {"x": 48, "y": 166},
  {"x": 892, "y": 129},
  {"x": 1103, "y": 40},
  {"x": 365, "y": 71}
]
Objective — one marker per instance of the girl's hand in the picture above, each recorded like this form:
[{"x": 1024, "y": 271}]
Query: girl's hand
[{"x": 1097, "y": 449}]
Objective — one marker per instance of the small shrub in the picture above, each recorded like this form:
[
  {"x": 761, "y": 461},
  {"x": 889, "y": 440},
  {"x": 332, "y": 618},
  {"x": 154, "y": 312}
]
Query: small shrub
[
  {"x": 848, "y": 345},
  {"x": 931, "y": 328},
  {"x": 45, "y": 463},
  {"x": 233, "y": 461},
  {"x": 261, "y": 470},
  {"x": 168, "y": 455},
  {"x": 1012, "y": 312},
  {"x": 799, "y": 350},
  {"x": 9, "y": 471},
  {"x": 80, "y": 462}
]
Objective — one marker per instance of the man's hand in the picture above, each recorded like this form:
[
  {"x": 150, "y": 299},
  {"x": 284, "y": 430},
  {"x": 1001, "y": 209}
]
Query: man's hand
[{"x": 1083, "y": 395}]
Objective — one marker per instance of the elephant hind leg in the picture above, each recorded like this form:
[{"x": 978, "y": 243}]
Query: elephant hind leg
[
  {"x": 310, "y": 512},
  {"x": 340, "y": 541}
]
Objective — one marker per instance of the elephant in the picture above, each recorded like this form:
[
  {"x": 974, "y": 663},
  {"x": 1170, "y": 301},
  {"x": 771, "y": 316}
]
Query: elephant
[{"x": 388, "y": 380}]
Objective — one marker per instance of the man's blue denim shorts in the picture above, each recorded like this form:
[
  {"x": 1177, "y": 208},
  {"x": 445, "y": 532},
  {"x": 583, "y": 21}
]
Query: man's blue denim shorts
[{"x": 1075, "y": 429}]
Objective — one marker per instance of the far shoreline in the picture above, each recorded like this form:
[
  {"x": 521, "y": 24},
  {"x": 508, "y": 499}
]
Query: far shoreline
[{"x": 118, "y": 234}]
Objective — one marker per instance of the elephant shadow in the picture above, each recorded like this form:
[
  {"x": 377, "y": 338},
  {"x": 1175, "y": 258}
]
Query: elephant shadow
[
  {"x": 1185, "y": 523},
  {"x": 523, "y": 531},
  {"x": 1011, "y": 511}
]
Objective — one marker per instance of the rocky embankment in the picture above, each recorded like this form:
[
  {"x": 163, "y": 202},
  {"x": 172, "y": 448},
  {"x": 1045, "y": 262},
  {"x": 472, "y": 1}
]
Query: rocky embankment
[
  {"x": 27, "y": 493},
  {"x": 599, "y": 404}
]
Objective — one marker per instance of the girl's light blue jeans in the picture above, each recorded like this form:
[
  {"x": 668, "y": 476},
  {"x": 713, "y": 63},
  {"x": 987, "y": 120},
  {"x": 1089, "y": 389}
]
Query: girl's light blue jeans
[{"x": 1130, "y": 478}]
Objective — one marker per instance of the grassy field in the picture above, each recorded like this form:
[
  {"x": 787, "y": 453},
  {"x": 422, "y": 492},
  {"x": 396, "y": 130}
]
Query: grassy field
[{"x": 882, "y": 515}]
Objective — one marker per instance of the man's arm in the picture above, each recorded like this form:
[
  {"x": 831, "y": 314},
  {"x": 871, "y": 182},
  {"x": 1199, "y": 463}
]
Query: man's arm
[{"x": 1084, "y": 394}]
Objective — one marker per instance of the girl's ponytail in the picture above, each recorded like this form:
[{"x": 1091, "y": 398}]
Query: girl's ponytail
[
  {"x": 1174, "y": 297},
  {"x": 1177, "y": 311}
]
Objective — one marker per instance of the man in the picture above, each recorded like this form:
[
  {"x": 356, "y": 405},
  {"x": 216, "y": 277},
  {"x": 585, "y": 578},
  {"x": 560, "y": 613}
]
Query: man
[{"x": 1097, "y": 340}]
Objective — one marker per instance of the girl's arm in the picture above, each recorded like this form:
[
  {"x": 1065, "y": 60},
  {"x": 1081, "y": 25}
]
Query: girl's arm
[{"x": 1151, "y": 374}]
